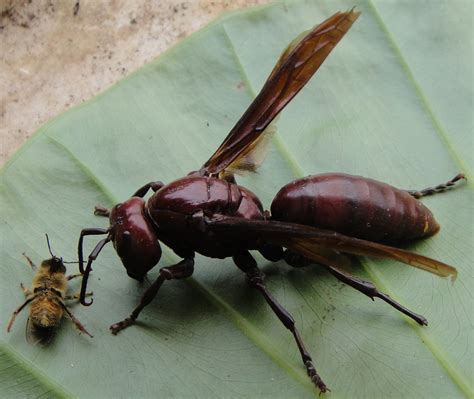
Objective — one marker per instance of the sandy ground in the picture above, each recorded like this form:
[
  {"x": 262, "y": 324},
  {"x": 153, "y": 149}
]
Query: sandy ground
[{"x": 58, "y": 53}]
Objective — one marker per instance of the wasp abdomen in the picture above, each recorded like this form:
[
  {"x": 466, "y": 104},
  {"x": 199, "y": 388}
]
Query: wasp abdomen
[{"x": 354, "y": 206}]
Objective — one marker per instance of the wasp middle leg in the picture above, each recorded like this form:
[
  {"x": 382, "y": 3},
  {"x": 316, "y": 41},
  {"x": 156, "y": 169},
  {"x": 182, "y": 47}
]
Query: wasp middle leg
[{"x": 255, "y": 278}]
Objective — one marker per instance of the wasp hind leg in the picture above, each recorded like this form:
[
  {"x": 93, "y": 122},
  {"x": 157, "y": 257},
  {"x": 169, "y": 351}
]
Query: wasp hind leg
[
  {"x": 331, "y": 261},
  {"x": 369, "y": 289},
  {"x": 255, "y": 278},
  {"x": 437, "y": 189}
]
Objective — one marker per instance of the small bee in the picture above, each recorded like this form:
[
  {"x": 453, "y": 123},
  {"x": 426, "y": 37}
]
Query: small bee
[{"x": 47, "y": 298}]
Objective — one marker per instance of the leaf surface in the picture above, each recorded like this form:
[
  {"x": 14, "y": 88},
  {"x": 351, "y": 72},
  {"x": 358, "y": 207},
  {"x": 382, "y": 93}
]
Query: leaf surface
[{"x": 393, "y": 102}]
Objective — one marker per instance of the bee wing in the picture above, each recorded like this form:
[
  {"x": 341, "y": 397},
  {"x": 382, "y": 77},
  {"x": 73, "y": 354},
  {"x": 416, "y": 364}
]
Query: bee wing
[
  {"x": 307, "y": 241},
  {"x": 38, "y": 336},
  {"x": 293, "y": 70}
]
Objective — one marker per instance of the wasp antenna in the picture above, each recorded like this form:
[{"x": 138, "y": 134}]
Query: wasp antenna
[{"x": 49, "y": 246}]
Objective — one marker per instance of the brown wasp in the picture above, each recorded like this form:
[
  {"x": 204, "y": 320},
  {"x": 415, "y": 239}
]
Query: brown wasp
[
  {"x": 313, "y": 220},
  {"x": 47, "y": 300}
]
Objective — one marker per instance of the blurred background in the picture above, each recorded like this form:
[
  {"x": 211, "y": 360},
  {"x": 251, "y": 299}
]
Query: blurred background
[{"x": 55, "y": 54}]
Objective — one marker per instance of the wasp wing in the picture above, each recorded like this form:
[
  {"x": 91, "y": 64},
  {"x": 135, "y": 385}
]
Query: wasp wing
[
  {"x": 307, "y": 241},
  {"x": 253, "y": 156},
  {"x": 293, "y": 70}
]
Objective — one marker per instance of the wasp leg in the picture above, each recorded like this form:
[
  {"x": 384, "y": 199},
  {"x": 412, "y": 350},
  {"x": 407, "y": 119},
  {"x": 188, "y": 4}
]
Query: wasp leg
[
  {"x": 369, "y": 289},
  {"x": 16, "y": 312},
  {"x": 272, "y": 252},
  {"x": 154, "y": 185},
  {"x": 229, "y": 178},
  {"x": 92, "y": 257},
  {"x": 255, "y": 277},
  {"x": 87, "y": 232},
  {"x": 181, "y": 270},
  {"x": 296, "y": 260},
  {"x": 364, "y": 286},
  {"x": 437, "y": 189},
  {"x": 101, "y": 211},
  {"x": 33, "y": 266},
  {"x": 275, "y": 253},
  {"x": 76, "y": 322}
]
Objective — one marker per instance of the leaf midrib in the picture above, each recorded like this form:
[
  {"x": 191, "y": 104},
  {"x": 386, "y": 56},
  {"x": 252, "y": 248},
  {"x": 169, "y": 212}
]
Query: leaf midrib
[
  {"x": 293, "y": 165},
  {"x": 299, "y": 172},
  {"x": 238, "y": 320},
  {"x": 440, "y": 130},
  {"x": 46, "y": 380},
  {"x": 442, "y": 133}
]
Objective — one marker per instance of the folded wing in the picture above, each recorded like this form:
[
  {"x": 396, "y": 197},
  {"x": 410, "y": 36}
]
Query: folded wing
[{"x": 308, "y": 241}]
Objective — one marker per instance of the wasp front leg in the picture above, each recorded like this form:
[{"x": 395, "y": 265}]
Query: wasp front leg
[
  {"x": 101, "y": 211},
  {"x": 141, "y": 192},
  {"x": 181, "y": 270},
  {"x": 154, "y": 186}
]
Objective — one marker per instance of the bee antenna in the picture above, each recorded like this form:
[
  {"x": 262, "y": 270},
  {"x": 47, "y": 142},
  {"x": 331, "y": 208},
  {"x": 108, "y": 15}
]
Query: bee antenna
[
  {"x": 70, "y": 262},
  {"x": 49, "y": 246}
]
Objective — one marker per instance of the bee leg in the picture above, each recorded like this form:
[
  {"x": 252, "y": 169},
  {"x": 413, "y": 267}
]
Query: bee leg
[
  {"x": 255, "y": 278},
  {"x": 181, "y": 270},
  {"x": 33, "y": 266},
  {"x": 77, "y": 295},
  {"x": 76, "y": 322},
  {"x": 72, "y": 276},
  {"x": 369, "y": 289},
  {"x": 437, "y": 189},
  {"x": 25, "y": 290},
  {"x": 16, "y": 312}
]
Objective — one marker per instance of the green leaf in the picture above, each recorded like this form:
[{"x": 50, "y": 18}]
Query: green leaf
[{"x": 393, "y": 102}]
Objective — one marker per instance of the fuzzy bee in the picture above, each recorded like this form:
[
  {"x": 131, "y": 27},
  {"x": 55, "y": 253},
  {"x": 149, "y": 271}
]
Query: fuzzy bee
[{"x": 47, "y": 300}]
